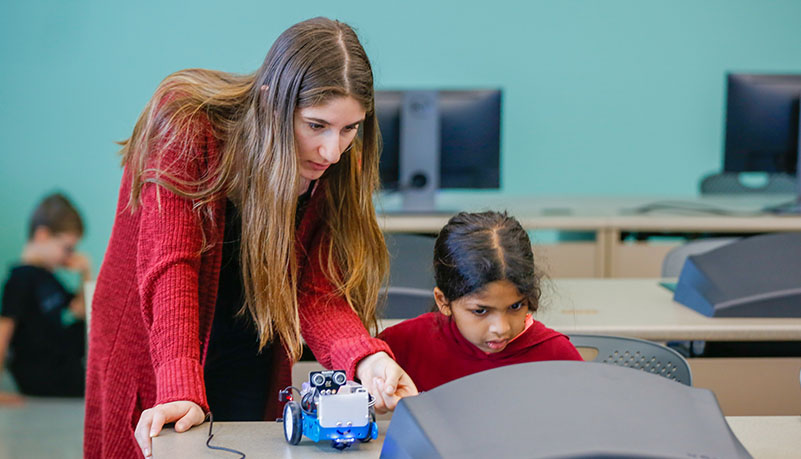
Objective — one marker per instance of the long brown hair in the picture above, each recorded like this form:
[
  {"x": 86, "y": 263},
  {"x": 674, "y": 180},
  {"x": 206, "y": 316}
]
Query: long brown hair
[{"x": 252, "y": 115}]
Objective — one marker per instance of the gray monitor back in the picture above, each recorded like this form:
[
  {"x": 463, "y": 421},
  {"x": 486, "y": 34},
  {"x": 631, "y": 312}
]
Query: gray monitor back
[{"x": 561, "y": 409}]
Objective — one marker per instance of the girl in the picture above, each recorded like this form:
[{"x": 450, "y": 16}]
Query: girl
[
  {"x": 486, "y": 289},
  {"x": 245, "y": 217}
]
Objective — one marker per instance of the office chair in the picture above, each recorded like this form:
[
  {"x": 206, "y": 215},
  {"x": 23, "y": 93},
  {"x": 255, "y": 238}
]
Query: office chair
[
  {"x": 411, "y": 276},
  {"x": 406, "y": 303},
  {"x": 636, "y": 353},
  {"x": 675, "y": 258},
  {"x": 729, "y": 183}
]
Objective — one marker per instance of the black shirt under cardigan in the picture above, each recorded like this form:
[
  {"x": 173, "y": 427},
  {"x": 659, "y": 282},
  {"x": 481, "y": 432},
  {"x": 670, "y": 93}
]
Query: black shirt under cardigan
[{"x": 236, "y": 373}]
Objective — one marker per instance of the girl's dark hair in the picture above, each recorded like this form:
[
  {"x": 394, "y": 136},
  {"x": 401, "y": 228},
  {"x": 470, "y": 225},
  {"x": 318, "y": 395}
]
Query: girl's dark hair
[{"x": 475, "y": 249}]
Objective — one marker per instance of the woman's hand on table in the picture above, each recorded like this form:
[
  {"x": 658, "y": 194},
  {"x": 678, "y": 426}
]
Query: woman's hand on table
[{"x": 184, "y": 414}]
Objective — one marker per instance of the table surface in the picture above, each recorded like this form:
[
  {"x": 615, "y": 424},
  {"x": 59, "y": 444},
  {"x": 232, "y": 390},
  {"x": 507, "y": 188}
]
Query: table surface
[
  {"x": 256, "y": 440},
  {"x": 642, "y": 308},
  {"x": 42, "y": 427},
  {"x": 737, "y": 213},
  {"x": 765, "y": 437}
]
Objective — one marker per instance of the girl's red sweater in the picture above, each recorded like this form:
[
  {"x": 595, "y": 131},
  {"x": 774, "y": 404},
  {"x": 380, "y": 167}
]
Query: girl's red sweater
[{"x": 433, "y": 351}]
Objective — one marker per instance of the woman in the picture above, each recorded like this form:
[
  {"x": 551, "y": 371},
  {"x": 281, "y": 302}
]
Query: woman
[{"x": 258, "y": 187}]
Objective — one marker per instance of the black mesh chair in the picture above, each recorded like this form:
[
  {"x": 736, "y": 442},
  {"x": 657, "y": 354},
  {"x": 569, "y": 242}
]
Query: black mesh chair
[{"x": 638, "y": 354}]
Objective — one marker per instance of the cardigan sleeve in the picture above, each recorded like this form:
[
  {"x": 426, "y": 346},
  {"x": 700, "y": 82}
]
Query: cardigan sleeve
[
  {"x": 168, "y": 264},
  {"x": 329, "y": 325}
]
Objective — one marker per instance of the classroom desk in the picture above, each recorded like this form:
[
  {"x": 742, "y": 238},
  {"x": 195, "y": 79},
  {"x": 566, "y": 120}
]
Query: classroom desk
[
  {"x": 764, "y": 437},
  {"x": 641, "y": 308},
  {"x": 644, "y": 309},
  {"x": 42, "y": 427},
  {"x": 607, "y": 218}
]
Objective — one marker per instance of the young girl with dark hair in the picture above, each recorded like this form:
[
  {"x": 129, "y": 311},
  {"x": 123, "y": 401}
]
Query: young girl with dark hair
[{"x": 487, "y": 288}]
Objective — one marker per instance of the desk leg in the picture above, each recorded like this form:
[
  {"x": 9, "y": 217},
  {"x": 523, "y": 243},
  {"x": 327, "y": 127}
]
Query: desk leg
[{"x": 606, "y": 240}]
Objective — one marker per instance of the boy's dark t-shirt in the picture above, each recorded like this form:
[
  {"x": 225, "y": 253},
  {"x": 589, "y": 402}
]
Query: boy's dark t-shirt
[{"x": 46, "y": 354}]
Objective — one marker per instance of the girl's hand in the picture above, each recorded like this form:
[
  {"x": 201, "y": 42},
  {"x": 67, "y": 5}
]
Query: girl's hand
[
  {"x": 385, "y": 380},
  {"x": 184, "y": 414}
]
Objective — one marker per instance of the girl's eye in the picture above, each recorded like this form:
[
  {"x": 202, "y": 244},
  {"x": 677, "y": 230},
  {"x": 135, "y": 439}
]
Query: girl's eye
[
  {"x": 316, "y": 126},
  {"x": 517, "y": 306},
  {"x": 479, "y": 311}
]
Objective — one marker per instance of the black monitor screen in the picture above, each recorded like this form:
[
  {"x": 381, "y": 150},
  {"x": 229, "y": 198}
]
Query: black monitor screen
[
  {"x": 470, "y": 137},
  {"x": 762, "y": 123}
]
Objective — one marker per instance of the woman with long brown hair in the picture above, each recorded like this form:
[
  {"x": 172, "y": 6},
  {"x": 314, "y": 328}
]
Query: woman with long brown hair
[{"x": 245, "y": 219}]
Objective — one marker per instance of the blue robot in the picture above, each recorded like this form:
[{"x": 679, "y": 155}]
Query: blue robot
[{"x": 330, "y": 408}]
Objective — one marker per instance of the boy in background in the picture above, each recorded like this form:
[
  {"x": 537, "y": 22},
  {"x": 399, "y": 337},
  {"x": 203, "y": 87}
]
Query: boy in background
[{"x": 42, "y": 323}]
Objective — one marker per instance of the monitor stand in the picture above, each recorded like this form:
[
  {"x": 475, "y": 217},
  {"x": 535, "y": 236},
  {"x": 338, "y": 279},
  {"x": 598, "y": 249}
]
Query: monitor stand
[{"x": 419, "y": 151}]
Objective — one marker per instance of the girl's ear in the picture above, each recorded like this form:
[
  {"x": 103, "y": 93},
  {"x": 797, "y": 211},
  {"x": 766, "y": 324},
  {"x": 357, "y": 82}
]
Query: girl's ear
[
  {"x": 442, "y": 302},
  {"x": 533, "y": 304}
]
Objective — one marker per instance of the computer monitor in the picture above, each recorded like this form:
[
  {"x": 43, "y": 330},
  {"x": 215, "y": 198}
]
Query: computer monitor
[
  {"x": 436, "y": 139},
  {"x": 762, "y": 124}
]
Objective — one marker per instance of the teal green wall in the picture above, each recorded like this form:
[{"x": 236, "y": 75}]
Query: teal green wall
[{"x": 601, "y": 97}]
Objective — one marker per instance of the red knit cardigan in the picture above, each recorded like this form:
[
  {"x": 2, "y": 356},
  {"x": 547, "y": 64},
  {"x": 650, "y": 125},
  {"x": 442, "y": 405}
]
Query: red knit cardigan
[{"x": 154, "y": 302}]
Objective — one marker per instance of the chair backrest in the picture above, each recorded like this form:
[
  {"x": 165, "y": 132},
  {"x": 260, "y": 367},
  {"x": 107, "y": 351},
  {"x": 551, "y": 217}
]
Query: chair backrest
[
  {"x": 410, "y": 260},
  {"x": 406, "y": 303},
  {"x": 675, "y": 258},
  {"x": 638, "y": 354},
  {"x": 730, "y": 183},
  {"x": 411, "y": 276}
]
